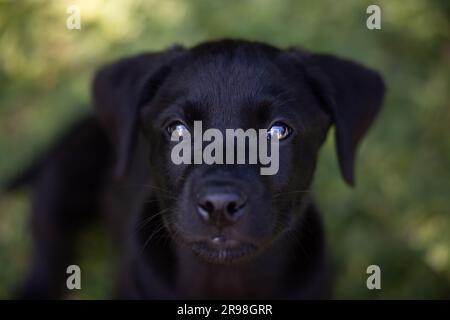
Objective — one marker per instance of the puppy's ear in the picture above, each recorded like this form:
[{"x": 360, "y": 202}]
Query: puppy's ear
[
  {"x": 121, "y": 89},
  {"x": 352, "y": 95}
]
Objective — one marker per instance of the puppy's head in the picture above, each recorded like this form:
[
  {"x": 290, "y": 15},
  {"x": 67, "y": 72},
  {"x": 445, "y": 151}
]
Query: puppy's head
[{"x": 229, "y": 212}]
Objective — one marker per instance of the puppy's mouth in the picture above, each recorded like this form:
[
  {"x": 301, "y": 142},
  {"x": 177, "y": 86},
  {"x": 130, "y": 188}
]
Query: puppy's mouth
[{"x": 220, "y": 250}]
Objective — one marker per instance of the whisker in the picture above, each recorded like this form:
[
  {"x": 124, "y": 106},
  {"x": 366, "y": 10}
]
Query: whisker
[
  {"x": 290, "y": 192},
  {"x": 136, "y": 185},
  {"x": 154, "y": 233},
  {"x": 147, "y": 220}
]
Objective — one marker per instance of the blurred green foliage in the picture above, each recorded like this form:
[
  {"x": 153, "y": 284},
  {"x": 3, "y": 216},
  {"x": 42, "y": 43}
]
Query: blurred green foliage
[{"x": 398, "y": 215}]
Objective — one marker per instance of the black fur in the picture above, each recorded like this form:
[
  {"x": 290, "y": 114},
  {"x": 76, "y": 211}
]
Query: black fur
[{"x": 118, "y": 163}]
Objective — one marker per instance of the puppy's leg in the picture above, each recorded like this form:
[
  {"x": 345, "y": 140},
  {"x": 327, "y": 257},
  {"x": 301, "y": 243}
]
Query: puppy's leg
[
  {"x": 65, "y": 197},
  {"x": 55, "y": 222}
]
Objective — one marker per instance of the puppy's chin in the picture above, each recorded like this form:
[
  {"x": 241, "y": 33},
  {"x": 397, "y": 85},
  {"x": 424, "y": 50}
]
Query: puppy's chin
[
  {"x": 216, "y": 250},
  {"x": 234, "y": 253}
]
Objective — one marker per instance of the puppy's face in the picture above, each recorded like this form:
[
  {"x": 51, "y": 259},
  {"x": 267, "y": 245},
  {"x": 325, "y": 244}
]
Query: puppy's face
[
  {"x": 227, "y": 212},
  {"x": 230, "y": 212}
]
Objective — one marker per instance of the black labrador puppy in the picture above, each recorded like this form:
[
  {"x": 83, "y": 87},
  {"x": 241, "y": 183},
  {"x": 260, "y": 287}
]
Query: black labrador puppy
[{"x": 199, "y": 230}]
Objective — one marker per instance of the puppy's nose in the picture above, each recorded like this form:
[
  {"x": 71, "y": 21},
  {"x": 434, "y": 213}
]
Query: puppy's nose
[{"x": 221, "y": 207}]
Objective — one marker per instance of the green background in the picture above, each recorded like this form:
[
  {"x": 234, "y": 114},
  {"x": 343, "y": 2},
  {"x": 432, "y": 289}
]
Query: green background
[{"x": 397, "y": 217}]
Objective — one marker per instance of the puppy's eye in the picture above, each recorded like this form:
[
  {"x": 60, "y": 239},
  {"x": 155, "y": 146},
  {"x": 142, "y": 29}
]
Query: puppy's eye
[
  {"x": 177, "y": 128},
  {"x": 278, "y": 131}
]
